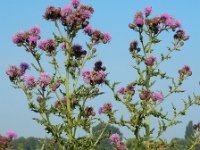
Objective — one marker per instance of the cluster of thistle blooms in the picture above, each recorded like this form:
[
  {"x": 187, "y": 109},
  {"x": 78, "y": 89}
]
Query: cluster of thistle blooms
[
  {"x": 144, "y": 95},
  {"x": 96, "y": 76},
  {"x": 27, "y": 38},
  {"x": 5, "y": 140},
  {"x": 162, "y": 22},
  {"x": 73, "y": 17},
  {"x": 115, "y": 139},
  {"x": 156, "y": 25},
  {"x": 18, "y": 74}
]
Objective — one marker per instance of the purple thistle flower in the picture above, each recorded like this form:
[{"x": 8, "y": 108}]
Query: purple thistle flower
[
  {"x": 139, "y": 22},
  {"x": 148, "y": 10},
  {"x": 13, "y": 72},
  {"x": 19, "y": 38},
  {"x": 67, "y": 10},
  {"x": 107, "y": 107},
  {"x": 35, "y": 31},
  {"x": 169, "y": 22},
  {"x": 33, "y": 39},
  {"x": 86, "y": 14},
  {"x": 88, "y": 30},
  {"x": 121, "y": 90},
  {"x": 52, "y": 13},
  {"x": 86, "y": 76},
  {"x": 114, "y": 138},
  {"x": 29, "y": 80},
  {"x": 150, "y": 61},
  {"x": 24, "y": 66},
  {"x": 75, "y": 3},
  {"x": 120, "y": 145},
  {"x": 42, "y": 44},
  {"x": 101, "y": 110},
  {"x": 157, "y": 96},
  {"x": 186, "y": 70},
  {"x": 178, "y": 24},
  {"x": 44, "y": 80},
  {"x": 48, "y": 45},
  {"x": 11, "y": 134},
  {"x": 165, "y": 16},
  {"x": 107, "y": 37}
]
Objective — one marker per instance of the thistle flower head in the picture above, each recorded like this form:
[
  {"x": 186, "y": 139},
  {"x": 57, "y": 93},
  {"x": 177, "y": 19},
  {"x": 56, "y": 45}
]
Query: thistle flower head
[
  {"x": 66, "y": 10},
  {"x": 76, "y": 3},
  {"x": 35, "y": 30},
  {"x": 165, "y": 16},
  {"x": 29, "y": 80},
  {"x": 185, "y": 70},
  {"x": 114, "y": 138},
  {"x": 107, "y": 38},
  {"x": 52, "y": 13},
  {"x": 138, "y": 19},
  {"x": 44, "y": 80},
  {"x": 120, "y": 145},
  {"x": 19, "y": 38},
  {"x": 13, "y": 72},
  {"x": 150, "y": 60},
  {"x": 157, "y": 96},
  {"x": 122, "y": 90},
  {"x": 88, "y": 30},
  {"x": 48, "y": 45},
  {"x": 11, "y": 134},
  {"x": 148, "y": 10}
]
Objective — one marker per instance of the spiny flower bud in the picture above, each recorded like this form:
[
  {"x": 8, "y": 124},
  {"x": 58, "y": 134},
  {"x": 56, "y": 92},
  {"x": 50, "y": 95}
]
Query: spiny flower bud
[
  {"x": 132, "y": 26},
  {"x": 55, "y": 86},
  {"x": 138, "y": 19},
  {"x": 48, "y": 45},
  {"x": 52, "y": 13},
  {"x": 148, "y": 10},
  {"x": 185, "y": 70},
  {"x": 133, "y": 46},
  {"x": 106, "y": 109},
  {"x": 89, "y": 111},
  {"x": 150, "y": 61},
  {"x": 145, "y": 95}
]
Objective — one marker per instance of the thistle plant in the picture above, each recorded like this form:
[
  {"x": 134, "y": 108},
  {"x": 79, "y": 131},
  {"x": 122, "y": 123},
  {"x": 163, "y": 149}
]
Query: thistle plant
[
  {"x": 61, "y": 94},
  {"x": 6, "y": 140},
  {"x": 142, "y": 101},
  {"x": 57, "y": 94}
]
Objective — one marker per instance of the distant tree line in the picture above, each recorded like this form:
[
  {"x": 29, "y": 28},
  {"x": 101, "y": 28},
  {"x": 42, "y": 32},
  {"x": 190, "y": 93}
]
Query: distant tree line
[{"x": 33, "y": 143}]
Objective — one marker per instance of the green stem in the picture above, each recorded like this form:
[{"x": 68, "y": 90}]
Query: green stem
[
  {"x": 147, "y": 132},
  {"x": 57, "y": 26},
  {"x": 69, "y": 114}
]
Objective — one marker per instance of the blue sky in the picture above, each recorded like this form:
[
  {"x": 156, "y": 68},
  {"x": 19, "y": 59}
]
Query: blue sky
[{"x": 110, "y": 16}]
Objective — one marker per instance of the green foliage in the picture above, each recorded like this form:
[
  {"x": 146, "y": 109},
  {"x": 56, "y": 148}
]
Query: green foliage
[
  {"x": 189, "y": 132},
  {"x": 110, "y": 129}
]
